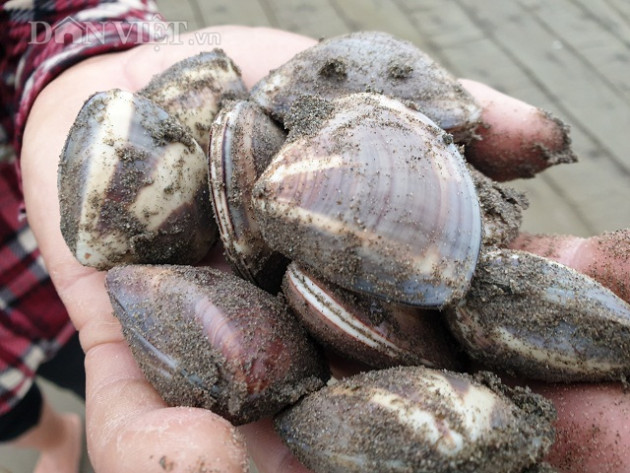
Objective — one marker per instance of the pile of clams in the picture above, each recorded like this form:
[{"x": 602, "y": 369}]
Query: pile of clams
[{"x": 343, "y": 202}]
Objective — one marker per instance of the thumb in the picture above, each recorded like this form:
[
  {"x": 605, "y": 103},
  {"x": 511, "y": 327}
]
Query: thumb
[{"x": 130, "y": 429}]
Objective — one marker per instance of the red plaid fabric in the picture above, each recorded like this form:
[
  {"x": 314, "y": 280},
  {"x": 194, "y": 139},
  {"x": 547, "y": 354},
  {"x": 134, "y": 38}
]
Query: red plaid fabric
[
  {"x": 38, "y": 41},
  {"x": 33, "y": 321}
]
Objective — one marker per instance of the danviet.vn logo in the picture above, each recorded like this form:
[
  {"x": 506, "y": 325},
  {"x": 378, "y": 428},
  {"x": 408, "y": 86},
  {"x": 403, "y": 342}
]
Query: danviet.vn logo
[{"x": 155, "y": 31}]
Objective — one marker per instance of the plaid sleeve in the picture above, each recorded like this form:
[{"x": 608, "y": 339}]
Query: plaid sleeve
[
  {"x": 39, "y": 39},
  {"x": 33, "y": 321},
  {"x": 100, "y": 27}
]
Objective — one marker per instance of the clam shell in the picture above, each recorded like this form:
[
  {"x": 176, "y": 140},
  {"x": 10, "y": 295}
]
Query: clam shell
[
  {"x": 244, "y": 139},
  {"x": 366, "y": 329},
  {"x": 133, "y": 186},
  {"x": 371, "y": 197},
  {"x": 414, "y": 419},
  {"x": 537, "y": 318},
  {"x": 192, "y": 90},
  {"x": 208, "y": 339},
  {"x": 502, "y": 210},
  {"x": 371, "y": 61}
]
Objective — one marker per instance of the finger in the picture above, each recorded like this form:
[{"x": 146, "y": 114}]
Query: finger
[
  {"x": 605, "y": 258},
  {"x": 267, "y": 450},
  {"x": 124, "y": 411},
  {"x": 517, "y": 139},
  {"x": 592, "y": 431}
]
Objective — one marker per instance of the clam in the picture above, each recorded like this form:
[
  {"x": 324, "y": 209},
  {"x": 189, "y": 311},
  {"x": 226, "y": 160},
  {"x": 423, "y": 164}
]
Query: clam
[
  {"x": 209, "y": 339},
  {"x": 133, "y": 185},
  {"x": 368, "y": 329},
  {"x": 193, "y": 89},
  {"x": 377, "y": 62},
  {"x": 244, "y": 139},
  {"x": 416, "y": 419},
  {"x": 539, "y": 319},
  {"x": 373, "y": 197}
]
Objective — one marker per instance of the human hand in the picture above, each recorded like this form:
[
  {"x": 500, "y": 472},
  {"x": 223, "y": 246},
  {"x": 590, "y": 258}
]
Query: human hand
[{"x": 129, "y": 427}]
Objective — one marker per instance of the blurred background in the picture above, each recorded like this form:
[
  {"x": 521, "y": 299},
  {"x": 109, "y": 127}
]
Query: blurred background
[{"x": 570, "y": 57}]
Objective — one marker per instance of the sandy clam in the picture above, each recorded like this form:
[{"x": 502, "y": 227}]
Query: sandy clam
[
  {"x": 244, "y": 139},
  {"x": 133, "y": 185},
  {"x": 542, "y": 320},
  {"x": 416, "y": 419},
  {"x": 192, "y": 90},
  {"x": 371, "y": 61},
  {"x": 375, "y": 198},
  {"x": 209, "y": 339},
  {"x": 368, "y": 329}
]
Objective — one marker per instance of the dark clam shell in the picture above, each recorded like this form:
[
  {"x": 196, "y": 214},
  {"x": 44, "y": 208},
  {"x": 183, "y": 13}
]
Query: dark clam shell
[
  {"x": 208, "y": 339},
  {"x": 133, "y": 186},
  {"x": 374, "y": 198},
  {"x": 414, "y": 419},
  {"x": 244, "y": 139},
  {"x": 192, "y": 90},
  {"x": 366, "y": 329},
  {"x": 539, "y": 319},
  {"x": 371, "y": 61}
]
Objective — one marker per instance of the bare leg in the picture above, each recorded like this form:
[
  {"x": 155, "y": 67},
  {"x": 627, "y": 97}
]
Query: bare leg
[{"x": 58, "y": 439}]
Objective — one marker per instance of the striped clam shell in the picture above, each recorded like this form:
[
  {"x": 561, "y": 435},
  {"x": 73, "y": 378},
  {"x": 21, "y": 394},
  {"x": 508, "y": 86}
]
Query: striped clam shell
[
  {"x": 133, "y": 185},
  {"x": 415, "y": 419},
  {"x": 540, "y": 319},
  {"x": 244, "y": 139},
  {"x": 208, "y": 339},
  {"x": 371, "y": 61},
  {"x": 374, "y": 198},
  {"x": 366, "y": 329},
  {"x": 192, "y": 90}
]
